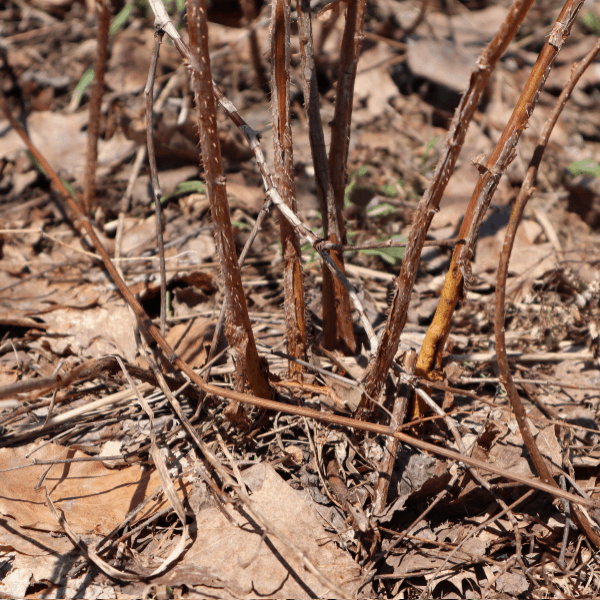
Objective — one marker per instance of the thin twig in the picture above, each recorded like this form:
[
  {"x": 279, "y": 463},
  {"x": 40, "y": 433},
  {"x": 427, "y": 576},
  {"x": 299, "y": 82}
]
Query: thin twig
[
  {"x": 392, "y": 243},
  {"x": 156, "y": 191},
  {"x": 527, "y": 190},
  {"x": 380, "y": 364},
  {"x": 95, "y": 108},
  {"x": 459, "y": 272},
  {"x": 250, "y": 14}
]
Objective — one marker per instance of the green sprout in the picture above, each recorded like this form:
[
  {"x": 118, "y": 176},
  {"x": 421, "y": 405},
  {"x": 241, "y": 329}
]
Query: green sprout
[
  {"x": 185, "y": 187},
  {"x": 82, "y": 84},
  {"x": 428, "y": 149},
  {"x": 120, "y": 19},
  {"x": 584, "y": 167},
  {"x": 352, "y": 183},
  {"x": 592, "y": 22},
  {"x": 117, "y": 23},
  {"x": 393, "y": 256}
]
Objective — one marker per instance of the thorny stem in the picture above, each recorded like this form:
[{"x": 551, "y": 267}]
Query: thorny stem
[
  {"x": 310, "y": 90},
  {"x": 156, "y": 191},
  {"x": 526, "y": 191},
  {"x": 380, "y": 364},
  {"x": 386, "y": 465},
  {"x": 237, "y": 326},
  {"x": 294, "y": 308},
  {"x": 83, "y": 223},
  {"x": 332, "y": 321},
  {"x": 260, "y": 219},
  {"x": 95, "y": 107},
  {"x": 504, "y": 153},
  {"x": 252, "y": 137},
  {"x": 338, "y": 333}
]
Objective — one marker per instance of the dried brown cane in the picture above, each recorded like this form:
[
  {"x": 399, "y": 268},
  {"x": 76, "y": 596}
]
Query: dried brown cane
[
  {"x": 237, "y": 326},
  {"x": 156, "y": 191},
  {"x": 504, "y": 153},
  {"x": 325, "y": 193},
  {"x": 380, "y": 364},
  {"x": 386, "y": 466},
  {"x": 82, "y": 222},
  {"x": 338, "y": 333},
  {"x": 250, "y": 14},
  {"x": 252, "y": 137},
  {"x": 216, "y": 340},
  {"x": 97, "y": 91},
  {"x": 525, "y": 193},
  {"x": 294, "y": 308}
]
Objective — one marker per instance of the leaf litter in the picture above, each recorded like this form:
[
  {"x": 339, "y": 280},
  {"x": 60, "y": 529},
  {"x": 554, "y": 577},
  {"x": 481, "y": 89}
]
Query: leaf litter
[{"x": 312, "y": 484}]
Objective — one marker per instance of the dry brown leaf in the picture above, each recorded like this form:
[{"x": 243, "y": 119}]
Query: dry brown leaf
[
  {"x": 57, "y": 136},
  {"x": 373, "y": 82},
  {"x": 221, "y": 550},
  {"x": 94, "y": 332},
  {"x": 94, "y": 499},
  {"x": 128, "y": 65},
  {"x": 194, "y": 345}
]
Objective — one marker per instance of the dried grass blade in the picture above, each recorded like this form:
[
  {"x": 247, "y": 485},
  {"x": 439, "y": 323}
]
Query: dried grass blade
[{"x": 165, "y": 479}]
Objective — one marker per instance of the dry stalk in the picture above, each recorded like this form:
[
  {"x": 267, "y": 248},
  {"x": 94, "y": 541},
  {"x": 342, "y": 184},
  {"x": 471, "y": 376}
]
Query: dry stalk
[
  {"x": 97, "y": 91},
  {"x": 338, "y": 333},
  {"x": 430, "y": 357},
  {"x": 253, "y": 140},
  {"x": 82, "y": 222},
  {"x": 294, "y": 308},
  {"x": 341, "y": 321},
  {"x": 386, "y": 466},
  {"x": 237, "y": 326},
  {"x": 260, "y": 219},
  {"x": 250, "y": 14},
  {"x": 526, "y": 191},
  {"x": 388, "y": 344},
  {"x": 156, "y": 191}
]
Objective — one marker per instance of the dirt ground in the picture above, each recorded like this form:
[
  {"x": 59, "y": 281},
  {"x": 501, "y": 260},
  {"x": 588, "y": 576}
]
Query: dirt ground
[{"x": 290, "y": 514}]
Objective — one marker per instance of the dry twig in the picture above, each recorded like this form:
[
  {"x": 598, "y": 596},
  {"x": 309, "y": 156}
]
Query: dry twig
[
  {"x": 504, "y": 153},
  {"x": 380, "y": 364},
  {"x": 97, "y": 91},
  {"x": 527, "y": 189}
]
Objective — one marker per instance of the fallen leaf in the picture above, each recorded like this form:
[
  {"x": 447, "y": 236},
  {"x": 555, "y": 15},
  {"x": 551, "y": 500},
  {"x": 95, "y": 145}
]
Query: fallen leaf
[
  {"x": 242, "y": 565},
  {"x": 93, "y": 498}
]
